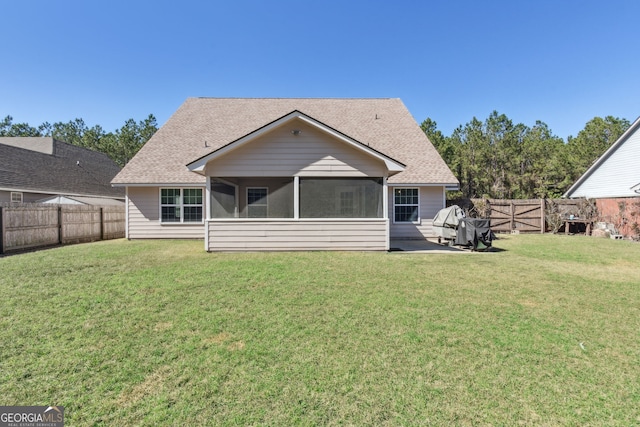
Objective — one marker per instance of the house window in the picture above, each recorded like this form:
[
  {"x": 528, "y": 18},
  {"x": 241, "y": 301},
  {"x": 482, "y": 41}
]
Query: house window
[
  {"x": 179, "y": 205},
  {"x": 406, "y": 205},
  {"x": 16, "y": 197},
  {"x": 257, "y": 202}
]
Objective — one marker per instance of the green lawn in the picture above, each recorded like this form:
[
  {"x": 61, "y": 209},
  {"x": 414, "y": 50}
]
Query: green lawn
[{"x": 544, "y": 332}]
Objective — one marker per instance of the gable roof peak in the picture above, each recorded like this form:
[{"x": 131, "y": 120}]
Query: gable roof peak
[{"x": 199, "y": 164}]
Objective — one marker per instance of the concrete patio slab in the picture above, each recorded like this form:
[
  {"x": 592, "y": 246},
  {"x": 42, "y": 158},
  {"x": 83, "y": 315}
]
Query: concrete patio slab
[{"x": 424, "y": 246}]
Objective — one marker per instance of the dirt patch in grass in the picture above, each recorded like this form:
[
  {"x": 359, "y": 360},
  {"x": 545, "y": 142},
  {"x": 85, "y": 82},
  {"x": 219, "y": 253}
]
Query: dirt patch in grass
[
  {"x": 219, "y": 339},
  {"x": 152, "y": 385},
  {"x": 236, "y": 346},
  {"x": 163, "y": 326}
]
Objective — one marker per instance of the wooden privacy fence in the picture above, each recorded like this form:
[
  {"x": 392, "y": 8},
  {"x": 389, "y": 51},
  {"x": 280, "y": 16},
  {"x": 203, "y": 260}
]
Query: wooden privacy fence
[
  {"x": 29, "y": 226},
  {"x": 521, "y": 215},
  {"x": 526, "y": 216}
]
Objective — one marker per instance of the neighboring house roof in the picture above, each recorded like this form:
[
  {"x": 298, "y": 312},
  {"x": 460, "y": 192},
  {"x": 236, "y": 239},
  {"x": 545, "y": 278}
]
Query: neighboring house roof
[
  {"x": 46, "y": 165},
  {"x": 201, "y": 126},
  {"x": 616, "y": 172},
  {"x": 81, "y": 200}
]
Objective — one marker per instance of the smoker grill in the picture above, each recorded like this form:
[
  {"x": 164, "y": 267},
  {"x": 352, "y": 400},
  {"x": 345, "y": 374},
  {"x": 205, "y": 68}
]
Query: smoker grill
[
  {"x": 445, "y": 224},
  {"x": 451, "y": 226}
]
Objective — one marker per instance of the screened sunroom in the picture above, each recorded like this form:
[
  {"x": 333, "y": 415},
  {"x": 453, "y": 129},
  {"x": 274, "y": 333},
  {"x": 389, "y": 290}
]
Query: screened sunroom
[
  {"x": 296, "y": 214},
  {"x": 282, "y": 198}
]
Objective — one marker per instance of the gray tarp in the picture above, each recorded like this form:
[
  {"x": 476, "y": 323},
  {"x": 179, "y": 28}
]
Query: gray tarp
[
  {"x": 448, "y": 217},
  {"x": 474, "y": 232}
]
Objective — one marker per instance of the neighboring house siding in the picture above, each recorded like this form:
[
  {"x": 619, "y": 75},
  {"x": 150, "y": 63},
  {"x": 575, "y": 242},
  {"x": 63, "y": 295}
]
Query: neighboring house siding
[
  {"x": 431, "y": 201},
  {"x": 5, "y": 196},
  {"x": 297, "y": 235},
  {"x": 33, "y": 197},
  {"x": 144, "y": 218},
  {"x": 617, "y": 173},
  {"x": 311, "y": 153}
]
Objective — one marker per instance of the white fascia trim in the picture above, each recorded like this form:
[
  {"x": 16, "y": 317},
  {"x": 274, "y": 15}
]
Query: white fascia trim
[
  {"x": 576, "y": 185},
  {"x": 163, "y": 184},
  {"x": 449, "y": 186},
  {"x": 199, "y": 165},
  {"x": 392, "y": 165}
]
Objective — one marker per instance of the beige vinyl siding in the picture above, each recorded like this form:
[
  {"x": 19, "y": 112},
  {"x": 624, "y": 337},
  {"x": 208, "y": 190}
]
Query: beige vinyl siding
[
  {"x": 297, "y": 235},
  {"x": 431, "y": 200},
  {"x": 311, "y": 153},
  {"x": 144, "y": 218}
]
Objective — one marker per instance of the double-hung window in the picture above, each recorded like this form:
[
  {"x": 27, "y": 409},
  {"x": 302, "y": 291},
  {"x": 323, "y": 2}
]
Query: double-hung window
[
  {"x": 257, "y": 202},
  {"x": 406, "y": 205},
  {"x": 180, "y": 205},
  {"x": 16, "y": 197}
]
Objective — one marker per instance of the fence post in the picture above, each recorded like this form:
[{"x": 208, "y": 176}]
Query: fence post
[
  {"x": 60, "y": 236},
  {"x": 2, "y": 230},
  {"x": 512, "y": 215},
  {"x": 101, "y": 223},
  {"x": 543, "y": 208}
]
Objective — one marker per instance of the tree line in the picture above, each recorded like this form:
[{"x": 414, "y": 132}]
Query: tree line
[
  {"x": 120, "y": 145},
  {"x": 499, "y": 159},
  {"x": 494, "y": 158}
]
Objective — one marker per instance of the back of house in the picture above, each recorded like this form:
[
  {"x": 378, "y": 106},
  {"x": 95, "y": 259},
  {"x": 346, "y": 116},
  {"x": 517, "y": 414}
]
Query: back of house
[{"x": 286, "y": 174}]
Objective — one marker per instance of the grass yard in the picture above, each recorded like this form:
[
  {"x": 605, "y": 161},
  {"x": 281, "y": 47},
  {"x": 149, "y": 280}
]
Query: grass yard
[{"x": 545, "y": 332}]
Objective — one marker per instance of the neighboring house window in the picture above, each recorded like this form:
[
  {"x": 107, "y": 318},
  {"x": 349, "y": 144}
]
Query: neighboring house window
[
  {"x": 406, "y": 205},
  {"x": 257, "y": 202},
  {"x": 16, "y": 197},
  {"x": 178, "y": 205}
]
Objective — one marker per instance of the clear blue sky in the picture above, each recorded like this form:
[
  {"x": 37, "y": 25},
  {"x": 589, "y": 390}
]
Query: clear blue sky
[{"x": 562, "y": 62}]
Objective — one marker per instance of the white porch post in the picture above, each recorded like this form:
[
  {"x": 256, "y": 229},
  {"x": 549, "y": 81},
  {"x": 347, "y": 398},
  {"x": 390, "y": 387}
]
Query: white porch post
[
  {"x": 296, "y": 197},
  {"x": 385, "y": 211},
  {"x": 207, "y": 200},
  {"x": 126, "y": 213},
  {"x": 207, "y": 207}
]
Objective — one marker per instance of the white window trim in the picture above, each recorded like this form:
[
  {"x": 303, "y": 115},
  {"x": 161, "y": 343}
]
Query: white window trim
[
  {"x": 181, "y": 205},
  {"x": 417, "y": 221},
  {"x": 19, "y": 194},
  {"x": 266, "y": 204}
]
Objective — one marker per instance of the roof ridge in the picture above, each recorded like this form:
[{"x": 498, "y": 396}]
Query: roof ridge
[{"x": 294, "y": 98}]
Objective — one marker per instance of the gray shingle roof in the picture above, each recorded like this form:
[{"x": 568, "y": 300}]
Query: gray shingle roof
[
  {"x": 68, "y": 170},
  {"x": 384, "y": 124}
]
